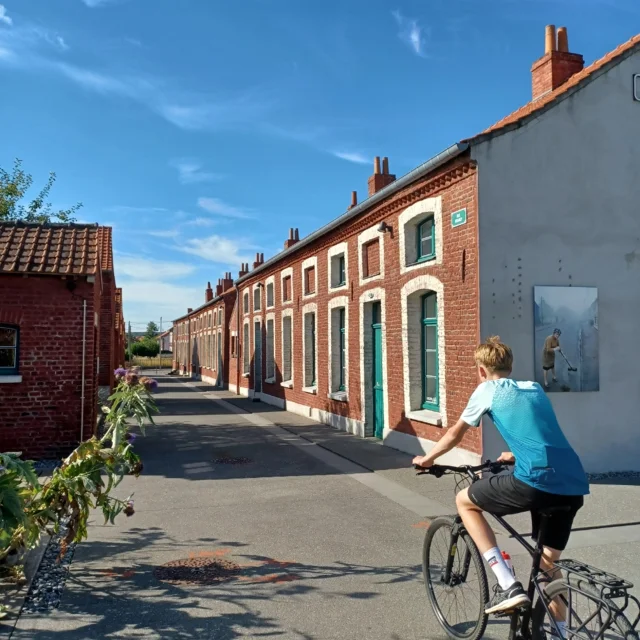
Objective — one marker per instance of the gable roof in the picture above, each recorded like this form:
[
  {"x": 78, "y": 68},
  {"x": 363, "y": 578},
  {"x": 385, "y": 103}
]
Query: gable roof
[
  {"x": 106, "y": 248},
  {"x": 49, "y": 249},
  {"x": 586, "y": 75}
]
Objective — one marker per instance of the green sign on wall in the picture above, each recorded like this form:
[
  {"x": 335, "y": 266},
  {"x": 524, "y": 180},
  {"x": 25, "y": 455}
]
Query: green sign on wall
[{"x": 458, "y": 218}]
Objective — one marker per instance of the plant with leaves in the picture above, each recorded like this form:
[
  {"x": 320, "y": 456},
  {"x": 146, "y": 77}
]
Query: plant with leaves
[
  {"x": 13, "y": 189},
  {"x": 152, "y": 330}
]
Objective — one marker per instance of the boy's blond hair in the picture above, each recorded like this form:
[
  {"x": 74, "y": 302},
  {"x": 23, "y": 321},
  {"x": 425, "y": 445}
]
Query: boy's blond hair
[{"x": 494, "y": 355}]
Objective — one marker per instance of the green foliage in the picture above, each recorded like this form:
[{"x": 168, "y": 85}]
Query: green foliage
[
  {"x": 147, "y": 348},
  {"x": 85, "y": 479},
  {"x": 152, "y": 330},
  {"x": 13, "y": 188}
]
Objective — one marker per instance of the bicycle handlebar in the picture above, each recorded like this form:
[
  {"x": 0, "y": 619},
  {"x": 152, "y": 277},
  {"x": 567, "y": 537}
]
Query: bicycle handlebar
[{"x": 438, "y": 470}]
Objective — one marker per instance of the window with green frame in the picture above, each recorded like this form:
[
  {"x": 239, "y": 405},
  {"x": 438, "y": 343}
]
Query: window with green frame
[
  {"x": 342, "y": 350},
  {"x": 430, "y": 380},
  {"x": 426, "y": 240},
  {"x": 342, "y": 279}
]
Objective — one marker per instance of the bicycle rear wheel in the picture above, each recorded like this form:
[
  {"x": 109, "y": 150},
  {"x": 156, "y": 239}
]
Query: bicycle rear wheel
[
  {"x": 459, "y": 604},
  {"x": 586, "y": 599}
]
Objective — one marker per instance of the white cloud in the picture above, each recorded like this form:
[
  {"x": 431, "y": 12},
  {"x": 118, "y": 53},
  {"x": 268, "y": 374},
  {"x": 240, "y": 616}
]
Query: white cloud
[
  {"x": 61, "y": 43},
  {"x": 92, "y": 4},
  {"x": 411, "y": 33},
  {"x": 351, "y": 156},
  {"x": 202, "y": 222},
  {"x": 218, "y": 207},
  {"x": 148, "y": 269},
  {"x": 169, "y": 233},
  {"x": 190, "y": 172},
  {"x": 145, "y": 299},
  {"x": 126, "y": 209},
  {"x": 4, "y": 17},
  {"x": 217, "y": 249}
]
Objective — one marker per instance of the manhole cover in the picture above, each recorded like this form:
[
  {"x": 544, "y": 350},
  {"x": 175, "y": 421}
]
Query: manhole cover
[
  {"x": 197, "y": 571},
  {"x": 231, "y": 460}
]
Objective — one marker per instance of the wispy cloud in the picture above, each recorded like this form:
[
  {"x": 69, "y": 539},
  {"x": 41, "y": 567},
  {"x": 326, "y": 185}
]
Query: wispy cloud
[
  {"x": 127, "y": 209},
  {"x": 168, "y": 233},
  {"x": 190, "y": 172},
  {"x": 351, "y": 156},
  {"x": 218, "y": 249},
  {"x": 92, "y": 4},
  {"x": 4, "y": 17},
  {"x": 201, "y": 222},
  {"x": 412, "y": 33},
  {"x": 220, "y": 208},
  {"x": 147, "y": 269}
]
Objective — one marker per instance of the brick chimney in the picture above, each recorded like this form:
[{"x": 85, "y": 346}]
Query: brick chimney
[
  {"x": 294, "y": 237},
  {"x": 244, "y": 269},
  {"x": 219, "y": 288},
  {"x": 556, "y": 66},
  {"x": 380, "y": 178},
  {"x": 208, "y": 293},
  {"x": 259, "y": 260},
  {"x": 354, "y": 199},
  {"x": 227, "y": 282},
  {"x": 189, "y": 309}
]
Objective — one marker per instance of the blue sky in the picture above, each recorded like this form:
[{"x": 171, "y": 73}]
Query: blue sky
[{"x": 202, "y": 130}]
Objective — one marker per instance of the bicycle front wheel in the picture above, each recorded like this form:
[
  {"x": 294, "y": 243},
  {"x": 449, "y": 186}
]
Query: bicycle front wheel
[
  {"x": 588, "y": 618},
  {"x": 459, "y": 601}
]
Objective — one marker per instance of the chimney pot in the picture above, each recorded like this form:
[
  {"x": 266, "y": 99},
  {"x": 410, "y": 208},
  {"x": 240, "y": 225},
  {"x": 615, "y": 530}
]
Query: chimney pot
[
  {"x": 189, "y": 309},
  {"x": 385, "y": 166},
  {"x": 376, "y": 165},
  {"x": 563, "y": 40},
  {"x": 354, "y": 199},
  {"x": 380, "y": 180},
  {"x": 549, "y": 38},
  {"x": 296, "y": 235}
]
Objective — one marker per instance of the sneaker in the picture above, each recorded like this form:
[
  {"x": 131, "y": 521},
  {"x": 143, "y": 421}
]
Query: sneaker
[{"x": 507, "y": 599}]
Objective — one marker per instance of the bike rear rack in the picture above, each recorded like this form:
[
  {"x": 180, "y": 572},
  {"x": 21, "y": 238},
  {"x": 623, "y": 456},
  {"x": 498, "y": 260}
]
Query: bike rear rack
[{"x": 612, "y": 587}]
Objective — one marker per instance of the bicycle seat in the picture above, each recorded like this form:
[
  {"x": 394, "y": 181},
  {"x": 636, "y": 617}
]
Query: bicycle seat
[{"x": 549, "y": 511}]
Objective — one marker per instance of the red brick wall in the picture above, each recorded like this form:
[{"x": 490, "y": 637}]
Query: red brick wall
[
  {"x": 458, "y": 273},
  {"x": 41, "y": 415},
  {"x": 107, "y": 353},
  {"x": 371, "y": 258}
]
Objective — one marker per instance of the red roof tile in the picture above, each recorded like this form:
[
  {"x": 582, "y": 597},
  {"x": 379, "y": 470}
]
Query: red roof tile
[
  {"x": 537, "y": 105},
  {"x": 49, "y": 249},
  {"x": 106, "y": 248}
]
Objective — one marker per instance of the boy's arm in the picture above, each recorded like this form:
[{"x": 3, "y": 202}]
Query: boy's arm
[{"x": 448, "y": 441}]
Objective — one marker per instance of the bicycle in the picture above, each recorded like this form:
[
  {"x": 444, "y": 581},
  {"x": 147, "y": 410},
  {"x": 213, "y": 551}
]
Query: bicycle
[{"x": 462, "y": 561}]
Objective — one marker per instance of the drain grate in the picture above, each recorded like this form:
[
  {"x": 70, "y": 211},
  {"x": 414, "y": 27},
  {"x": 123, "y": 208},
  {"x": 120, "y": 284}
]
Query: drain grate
[
  {"x": 197, "y": 571},
  {"x": 225, "y": 459}
]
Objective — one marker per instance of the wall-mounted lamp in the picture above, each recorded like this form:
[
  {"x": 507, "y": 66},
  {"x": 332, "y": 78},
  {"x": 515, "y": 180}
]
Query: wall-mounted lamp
[
  {"x": 259, "y": 285},
  {"x": 383, "y": 226}
]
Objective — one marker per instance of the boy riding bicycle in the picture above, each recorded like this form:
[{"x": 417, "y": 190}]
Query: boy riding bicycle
[{"x": 547, "y": 473}]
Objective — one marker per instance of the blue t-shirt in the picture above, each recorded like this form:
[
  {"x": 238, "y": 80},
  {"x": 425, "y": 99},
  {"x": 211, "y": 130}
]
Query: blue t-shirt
[{"x": 525, "y": 419}]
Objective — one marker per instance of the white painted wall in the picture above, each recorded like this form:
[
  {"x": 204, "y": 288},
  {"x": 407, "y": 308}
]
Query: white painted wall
[{"x": 559, "y": 204}]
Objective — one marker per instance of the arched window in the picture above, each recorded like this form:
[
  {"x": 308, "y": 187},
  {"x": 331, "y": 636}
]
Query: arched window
[
  {"x": 9, "y": 349},
  {"x": 430, "y": 381}
]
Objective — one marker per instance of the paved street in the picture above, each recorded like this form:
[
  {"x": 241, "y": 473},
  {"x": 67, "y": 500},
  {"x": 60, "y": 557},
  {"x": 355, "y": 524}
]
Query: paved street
[{"x": 325, "y": 532}]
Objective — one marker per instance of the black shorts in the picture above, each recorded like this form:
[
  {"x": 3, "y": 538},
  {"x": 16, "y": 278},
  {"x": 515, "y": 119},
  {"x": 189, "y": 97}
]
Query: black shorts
[
  {"x": 504, "y": 495},
  {"x": 553, "y": 366}
]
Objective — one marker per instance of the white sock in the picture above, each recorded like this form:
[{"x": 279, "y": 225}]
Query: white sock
[
  {"x": 562, "y": 628},
  {"x": 500, "y": 568}
]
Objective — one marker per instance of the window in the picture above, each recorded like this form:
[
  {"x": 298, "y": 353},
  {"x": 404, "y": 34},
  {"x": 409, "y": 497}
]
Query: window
[
  {"x": 270, "y": 301},
  {"x": 287, "y": 372},
  {"x": 212, "y": 351},
  {"x": 220, "y": 317},
  {"x": 341, "y": 274},
  {"x": 342, "y": 351},
  {"x": 245, "y": 350},
  {"x": 371, "y": 258},
  {"x": 429, "y": 351},
  {"x": 245, "y": 302},
  {"x": 256, "y": 299},
  {"x": 234, "y": 346},
  {"x": 310, "y": 350},
  {"x": 338, "y": 350},
  {"x": 309, "y": 281},
  {"x": 426, "y": 240},
  {"x": 286, "y": 289},
  {"x": 271, "y": 364},
  {"x": 9, "y": 347}
]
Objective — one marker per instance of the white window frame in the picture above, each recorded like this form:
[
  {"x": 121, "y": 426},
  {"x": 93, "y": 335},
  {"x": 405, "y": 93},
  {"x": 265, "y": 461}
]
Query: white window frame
[
  {"x": 257, "y": 289},
  {"x": 338, "y": 302},
  {"x": 246, "y": 309},
  {"x": 311, "y": 307},
  {"x": 423, "y": 284},
  {"x": 365, "y": 237},
  {"x": 287, "y": 313},
  {"x": 246, "y": 348},
  {"x": 270, "y": 282},
  {"x": 270, "y": 379},
  {"x": 333, "y": 253},
  {"x": 408, "y": 223},
  {"x": 309, "y": 263},
  {"x": 288, "y": 272}
]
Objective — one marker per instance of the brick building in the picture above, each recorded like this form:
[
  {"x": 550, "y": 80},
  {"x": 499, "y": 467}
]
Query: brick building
[
  {"x": 369, "y": 323},
  {"x": 61, "y": 329}
]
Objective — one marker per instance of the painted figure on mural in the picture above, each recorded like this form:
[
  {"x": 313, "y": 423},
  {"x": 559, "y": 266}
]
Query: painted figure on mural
[{"x": 551, "y": 345}]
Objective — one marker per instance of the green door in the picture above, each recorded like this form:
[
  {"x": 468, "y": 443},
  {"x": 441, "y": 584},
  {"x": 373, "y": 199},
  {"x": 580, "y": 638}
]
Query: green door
[{"x": 378, "y": 399}]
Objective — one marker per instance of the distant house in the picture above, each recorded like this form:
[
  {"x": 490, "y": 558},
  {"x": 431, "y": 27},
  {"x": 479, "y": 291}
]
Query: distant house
[
  {"x": 61, "y": 334},
  {"x": 166, "y": 341}
]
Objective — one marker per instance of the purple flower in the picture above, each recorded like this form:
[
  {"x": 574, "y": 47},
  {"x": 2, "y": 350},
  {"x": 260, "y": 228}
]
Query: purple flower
[
  {"x": 120, "y": 373},
  {"x": 131, "y": 437},
  {"x": 128, "y": 510},
  {"x": 131, "y": 379}
]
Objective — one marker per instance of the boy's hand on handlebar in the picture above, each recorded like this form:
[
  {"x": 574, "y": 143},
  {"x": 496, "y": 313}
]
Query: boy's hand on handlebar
[
  {"x": 422, "y": 461},
  {"x": 506, "y": 457}
]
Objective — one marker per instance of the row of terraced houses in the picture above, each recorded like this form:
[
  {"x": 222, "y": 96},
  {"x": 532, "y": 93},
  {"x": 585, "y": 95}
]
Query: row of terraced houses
[
  {"x": 369, "y": 324},
  {"x": 62, "y": 334}
]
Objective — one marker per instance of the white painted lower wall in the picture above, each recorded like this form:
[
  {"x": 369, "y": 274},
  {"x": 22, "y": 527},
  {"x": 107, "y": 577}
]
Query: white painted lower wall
[
  {"x": 233, "y": 388},
  {"x": 209, "y": 380},
  {"x": 418, "y": 446}
]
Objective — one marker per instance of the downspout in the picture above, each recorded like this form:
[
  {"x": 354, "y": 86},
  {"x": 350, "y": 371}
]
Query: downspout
[{"x": 84, "y": 359}]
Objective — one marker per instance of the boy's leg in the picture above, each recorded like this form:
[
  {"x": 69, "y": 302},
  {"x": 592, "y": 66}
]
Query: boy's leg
[
  {"x": 553, "y": 374},
  {"x": 544, "y": 374},
  {"x": 475, "y": 523}
]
